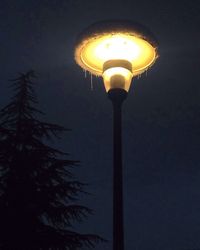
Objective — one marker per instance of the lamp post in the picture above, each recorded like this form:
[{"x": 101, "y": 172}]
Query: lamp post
[{"x": 118, "y": 51}]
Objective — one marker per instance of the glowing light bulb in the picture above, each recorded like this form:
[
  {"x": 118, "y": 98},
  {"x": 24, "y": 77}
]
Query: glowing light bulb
[{"x": 117, "y": 47}]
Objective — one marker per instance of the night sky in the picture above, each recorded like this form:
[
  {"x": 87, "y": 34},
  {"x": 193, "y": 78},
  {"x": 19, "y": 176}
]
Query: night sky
[{"x": 161, "y": 116}]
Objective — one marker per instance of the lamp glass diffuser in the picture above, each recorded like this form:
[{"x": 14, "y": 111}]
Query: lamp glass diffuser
[{"x": 117, "y": 77}]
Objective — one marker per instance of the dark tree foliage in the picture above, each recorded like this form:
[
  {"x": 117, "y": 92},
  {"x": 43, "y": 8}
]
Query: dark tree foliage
[{"x": 38, "y": 192}]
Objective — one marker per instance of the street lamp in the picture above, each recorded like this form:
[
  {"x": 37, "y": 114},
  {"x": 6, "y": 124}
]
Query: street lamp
[{"x": 118, "y": 51}]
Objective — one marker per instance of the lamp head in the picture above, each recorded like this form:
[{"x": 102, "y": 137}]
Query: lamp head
[{"x": 117, "y": 51}]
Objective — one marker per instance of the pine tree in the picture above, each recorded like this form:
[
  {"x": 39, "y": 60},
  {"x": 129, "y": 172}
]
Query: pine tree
[{"x": 38, "y": 192}]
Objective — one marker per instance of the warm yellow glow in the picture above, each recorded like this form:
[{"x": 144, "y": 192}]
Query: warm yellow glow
[
  {"x": 117, "y": 77},
  {"x": 114, "y": 47},
  {"x": 93, "y": 52},
  {"x": 115, "y": 54}
]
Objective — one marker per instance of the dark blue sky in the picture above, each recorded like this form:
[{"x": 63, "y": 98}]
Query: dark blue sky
[{"x": 161, "y": 119}]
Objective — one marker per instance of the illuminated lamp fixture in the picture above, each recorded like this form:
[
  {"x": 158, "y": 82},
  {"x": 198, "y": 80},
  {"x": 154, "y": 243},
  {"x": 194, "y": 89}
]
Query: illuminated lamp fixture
[{"x": 118, "y": 51}]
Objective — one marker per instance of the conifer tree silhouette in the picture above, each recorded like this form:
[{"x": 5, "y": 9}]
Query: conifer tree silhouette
[{"x": 38, "y": 192}]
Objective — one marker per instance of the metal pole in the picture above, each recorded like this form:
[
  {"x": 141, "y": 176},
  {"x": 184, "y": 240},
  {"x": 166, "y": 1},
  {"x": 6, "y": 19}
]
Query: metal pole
[{"x": 117, "y": 96}]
